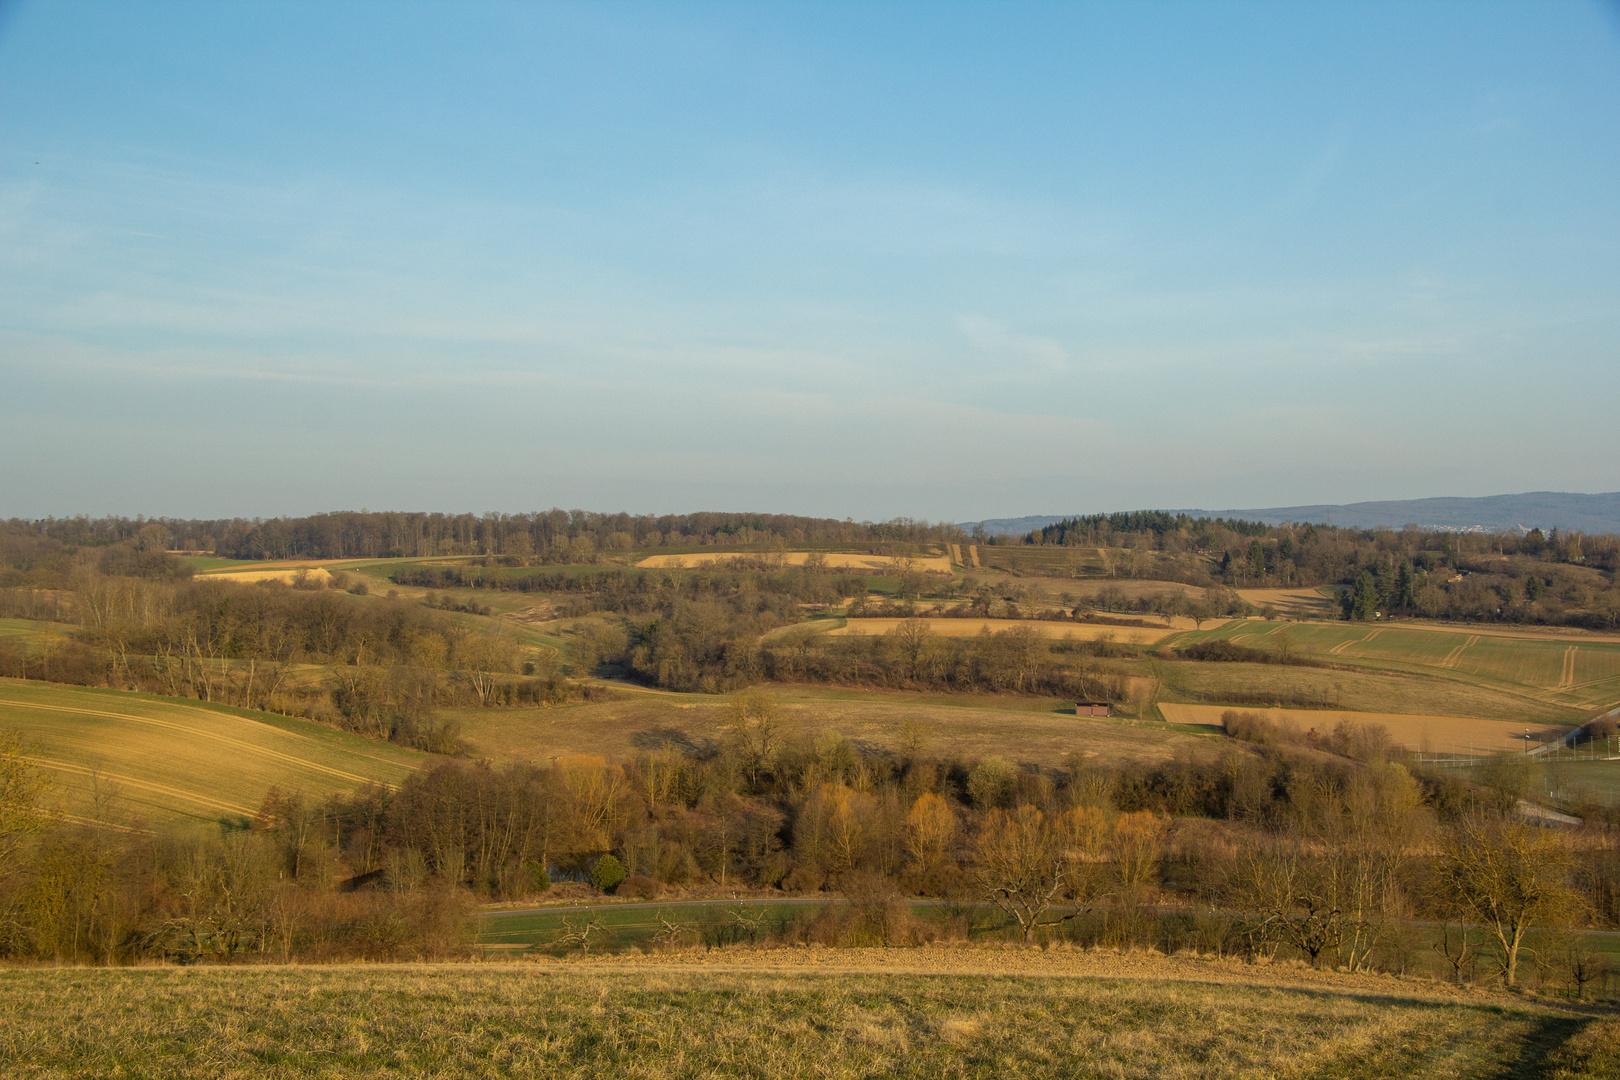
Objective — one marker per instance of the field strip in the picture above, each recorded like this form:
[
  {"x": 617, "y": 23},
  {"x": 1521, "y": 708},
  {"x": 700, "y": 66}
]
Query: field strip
[
  {"x": 1443, "y": 733},
  {"x": 956, "y": 554},
  {"x": 257, "y": 750},
  {"x": 288, "y": 576},
  {"x": 936, "y": 564},
  {"x": 145, "y": 785}
]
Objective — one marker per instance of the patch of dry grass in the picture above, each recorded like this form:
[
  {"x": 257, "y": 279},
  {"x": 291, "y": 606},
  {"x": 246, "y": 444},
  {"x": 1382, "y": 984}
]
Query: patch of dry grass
[
  {"x": 1023, "y": 729},
  {"x": 657, "y": 1022}
]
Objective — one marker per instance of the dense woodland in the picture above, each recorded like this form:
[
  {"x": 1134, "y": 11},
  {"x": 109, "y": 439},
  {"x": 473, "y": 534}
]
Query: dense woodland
[
  {"x": 1323, "y": 848},
  {"x": 1556, "y": 578}
]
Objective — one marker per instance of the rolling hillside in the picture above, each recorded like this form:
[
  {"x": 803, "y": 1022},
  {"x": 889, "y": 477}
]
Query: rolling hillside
[{"x": 135, "y": 757}]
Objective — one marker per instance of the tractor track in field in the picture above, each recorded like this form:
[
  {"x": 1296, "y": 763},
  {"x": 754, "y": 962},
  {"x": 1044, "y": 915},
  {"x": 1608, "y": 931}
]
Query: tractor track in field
[
  {"x": 1566, "y": 678},
  {"x": 144, "y": 785},
  {"x": 1455, "y": 655}
]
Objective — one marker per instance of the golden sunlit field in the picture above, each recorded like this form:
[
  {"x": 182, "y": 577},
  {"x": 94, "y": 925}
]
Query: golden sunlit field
[{"x": 883, "y": 564}]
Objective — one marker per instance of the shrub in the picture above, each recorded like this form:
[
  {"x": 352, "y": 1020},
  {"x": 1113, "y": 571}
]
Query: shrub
[
  {"x": 607, "y": 873},
  {"x": 641, "y": 887},
  {"x": 1255, "y": 728}
]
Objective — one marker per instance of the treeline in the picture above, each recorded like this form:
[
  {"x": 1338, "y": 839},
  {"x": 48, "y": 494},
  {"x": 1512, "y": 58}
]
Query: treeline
[
  {"x": 1323, "y": 852},
  {"x": 630, "y": 592},
  {"x": 566, "y": 534},
  {"x": 1555, "y": 578},
  {"x": 1099, "y": 529},
  {"x": 727, "y": 643}
]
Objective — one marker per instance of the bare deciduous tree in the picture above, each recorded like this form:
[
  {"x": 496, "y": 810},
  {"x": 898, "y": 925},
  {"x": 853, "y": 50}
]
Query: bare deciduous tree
[{"x": 1507, "y": 877}]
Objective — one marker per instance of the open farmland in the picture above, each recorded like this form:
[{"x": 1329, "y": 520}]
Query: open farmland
[
  {"x": 1442, "y": 734},
  {"x": 1139, "y": 635},
  {"x": 1294, "y": 603},
  {"x": 317, "y": 575},
  {"x": 842, "y": 560},
  {"x": 806, "y": 1013},
  {"x": 159, "y": 759}
]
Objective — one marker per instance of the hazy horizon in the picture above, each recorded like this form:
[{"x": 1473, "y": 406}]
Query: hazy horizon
[{"x": 948, "y": 262}]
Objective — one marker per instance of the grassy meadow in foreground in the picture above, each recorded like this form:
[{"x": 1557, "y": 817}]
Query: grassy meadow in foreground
[{"x": 566, "y": 1020}]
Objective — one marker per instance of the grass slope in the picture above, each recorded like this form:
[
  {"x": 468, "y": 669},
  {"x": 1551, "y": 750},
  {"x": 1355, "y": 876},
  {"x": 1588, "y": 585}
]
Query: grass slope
[
  {"x": 907, "y": 1013},
  {"x": 163, "y": 760}
]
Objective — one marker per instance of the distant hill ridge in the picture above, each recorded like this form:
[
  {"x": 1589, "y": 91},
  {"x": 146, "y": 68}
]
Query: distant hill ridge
[{"x": 1570, "y": 511}]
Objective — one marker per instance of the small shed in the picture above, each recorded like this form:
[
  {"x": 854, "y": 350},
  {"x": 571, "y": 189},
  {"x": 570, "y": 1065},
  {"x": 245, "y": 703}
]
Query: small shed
[{"x": 1091, "y": 708}]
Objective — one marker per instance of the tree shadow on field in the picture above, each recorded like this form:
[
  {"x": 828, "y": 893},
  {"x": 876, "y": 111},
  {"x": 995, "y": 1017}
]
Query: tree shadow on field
[
  {"x": 667, "y": 738},
  {"x": 1552, "y": 1033},
  {"x": 1549, "y": 1034}
]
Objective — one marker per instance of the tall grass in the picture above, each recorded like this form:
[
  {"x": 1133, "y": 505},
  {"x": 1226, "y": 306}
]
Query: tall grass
[{"x": 545, "y": 1021}]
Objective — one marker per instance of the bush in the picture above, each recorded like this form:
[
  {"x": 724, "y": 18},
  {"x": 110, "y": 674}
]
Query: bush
[
  {"x": 1255, "y": 728},
  {"x": 607, "y": 873},
  {"x": 641, "y": 887}
]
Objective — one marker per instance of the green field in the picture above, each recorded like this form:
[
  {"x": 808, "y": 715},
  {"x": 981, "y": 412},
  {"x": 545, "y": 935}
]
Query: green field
[
  {"x": 636, "y": 925},
  {"x": 113, "y": 756},
  {"x": 1570, "y": 672},
  {"x": 909, "y": 1013}
]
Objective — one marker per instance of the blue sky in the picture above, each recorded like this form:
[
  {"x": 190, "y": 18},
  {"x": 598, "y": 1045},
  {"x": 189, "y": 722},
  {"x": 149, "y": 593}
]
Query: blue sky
[{"x": 942, "y": 260}]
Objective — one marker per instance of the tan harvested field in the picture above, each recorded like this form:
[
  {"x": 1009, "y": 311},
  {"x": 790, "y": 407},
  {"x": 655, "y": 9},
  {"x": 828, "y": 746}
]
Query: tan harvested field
[
  {"x": 972, "y": 627},
  {"x": 1131, "y": 588},
  {"x": 1294, "y": 603},
  {"x": 114, "y": 756},
  {"x": 1441, "y": 734},
  {"x": 803, "y": 1014},
  {"x": 312, "y": 574},
  {"x": 882, "y": 564},
  {"x": 1023, "y": 729}
]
